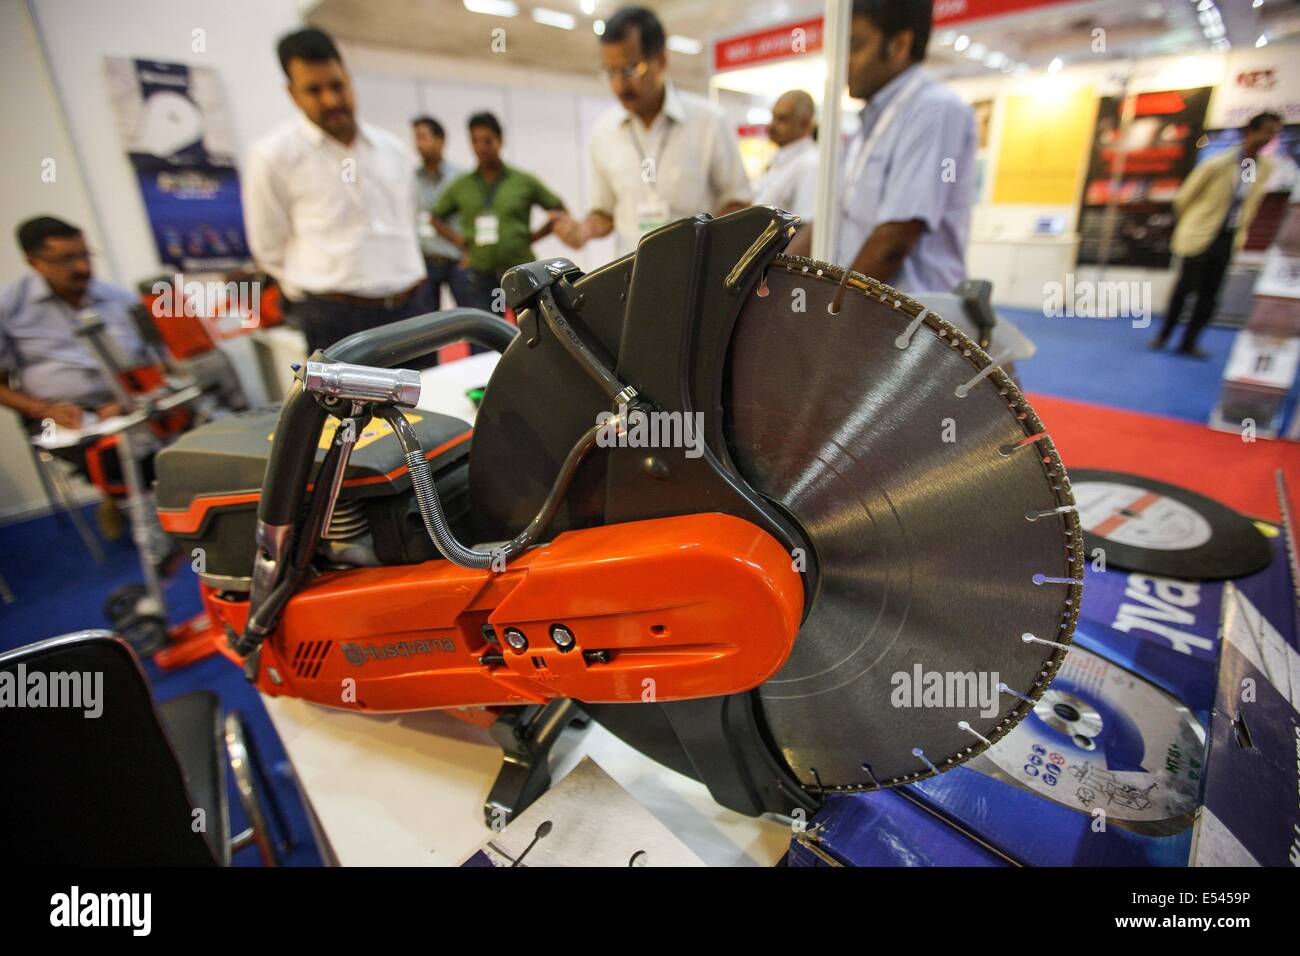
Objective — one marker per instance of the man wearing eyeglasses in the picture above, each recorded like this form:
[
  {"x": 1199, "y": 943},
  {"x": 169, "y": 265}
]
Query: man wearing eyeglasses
[
  {"x": 60, "y": 378},
  {"x": 663, "y": 153}
]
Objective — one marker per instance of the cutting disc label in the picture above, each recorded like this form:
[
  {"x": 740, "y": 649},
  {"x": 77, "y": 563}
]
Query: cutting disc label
[
  {"x": 1138, "y": 517},
  {"x": 1102, "y": 737}
]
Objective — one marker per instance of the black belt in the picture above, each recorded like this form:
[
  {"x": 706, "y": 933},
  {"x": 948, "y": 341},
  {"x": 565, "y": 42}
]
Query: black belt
[{"x": 386, "y": 302}]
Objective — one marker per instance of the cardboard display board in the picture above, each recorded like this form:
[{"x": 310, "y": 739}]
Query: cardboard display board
[{"x": 1151, "y": 154}]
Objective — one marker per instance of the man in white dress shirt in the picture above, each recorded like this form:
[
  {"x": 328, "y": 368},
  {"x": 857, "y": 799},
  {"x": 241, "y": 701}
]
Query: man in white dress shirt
[
  {"x": 330, "y": 204},
  {"x": 662, "y": 154},
  {"x": 790, "y": 182}
]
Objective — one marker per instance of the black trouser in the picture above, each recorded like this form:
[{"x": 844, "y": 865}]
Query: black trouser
[
  {"x": 476, "y": 289},
  {"x": 325, "y": 321},
  {"x": 442, "y": 272},
  {"x": 1202, "y": 274}
]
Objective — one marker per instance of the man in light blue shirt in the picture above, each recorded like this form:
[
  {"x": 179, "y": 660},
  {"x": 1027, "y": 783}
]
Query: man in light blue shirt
[
  {"x": 58, "y": 375},
  {"x": 59, "y": 379},
  {"x": 908, "y": 175},
  {"x": 441, "y": 257}
]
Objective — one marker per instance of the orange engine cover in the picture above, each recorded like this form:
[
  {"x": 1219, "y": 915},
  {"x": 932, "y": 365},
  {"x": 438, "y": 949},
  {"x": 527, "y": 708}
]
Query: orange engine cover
[{"x": 667, "y": 609}]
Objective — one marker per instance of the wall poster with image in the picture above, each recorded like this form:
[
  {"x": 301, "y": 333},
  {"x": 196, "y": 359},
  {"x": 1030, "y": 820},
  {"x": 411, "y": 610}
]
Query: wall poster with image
[{"x": 177, "y": 131}]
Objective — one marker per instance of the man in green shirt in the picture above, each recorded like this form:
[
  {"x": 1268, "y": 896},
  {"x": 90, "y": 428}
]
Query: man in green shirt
[{"x": 494, "y": 203}]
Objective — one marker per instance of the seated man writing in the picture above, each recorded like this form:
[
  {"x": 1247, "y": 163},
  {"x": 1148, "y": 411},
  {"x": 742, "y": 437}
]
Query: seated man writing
[{"x": 48, "y": 373}]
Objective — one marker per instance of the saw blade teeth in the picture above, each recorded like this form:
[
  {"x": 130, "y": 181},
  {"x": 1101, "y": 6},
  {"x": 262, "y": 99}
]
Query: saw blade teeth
[
  {"x": 899, "y": 332},
  {"x": 904, "y": 340},
  {"x": 965, "y": 725}
]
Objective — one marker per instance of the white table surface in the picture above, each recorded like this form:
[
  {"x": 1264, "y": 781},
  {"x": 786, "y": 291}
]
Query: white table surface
[
  {"x": 443, "y": 387},
  {"x": 408, "y": 789}
]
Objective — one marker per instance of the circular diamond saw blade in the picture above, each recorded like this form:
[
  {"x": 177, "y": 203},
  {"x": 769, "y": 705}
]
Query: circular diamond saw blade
[{"x": 941, "y": 520}]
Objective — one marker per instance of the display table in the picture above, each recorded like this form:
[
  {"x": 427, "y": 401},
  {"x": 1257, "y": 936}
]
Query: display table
[{"x": 408, "y": 789}]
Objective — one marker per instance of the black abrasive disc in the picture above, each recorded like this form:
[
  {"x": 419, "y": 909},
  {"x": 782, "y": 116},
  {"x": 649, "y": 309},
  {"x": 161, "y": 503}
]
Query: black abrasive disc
[{"x": 1147, "y": 525}]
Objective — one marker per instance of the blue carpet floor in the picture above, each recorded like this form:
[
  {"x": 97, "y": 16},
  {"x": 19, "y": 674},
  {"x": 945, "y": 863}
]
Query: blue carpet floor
[
  {"x": 58, "y": 588},
  {"x": 1107, "y": 361}
]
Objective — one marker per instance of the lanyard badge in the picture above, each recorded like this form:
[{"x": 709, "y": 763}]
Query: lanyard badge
[
  {"x": 652, "y": 211},
  {"x": 487, "y": 228}
]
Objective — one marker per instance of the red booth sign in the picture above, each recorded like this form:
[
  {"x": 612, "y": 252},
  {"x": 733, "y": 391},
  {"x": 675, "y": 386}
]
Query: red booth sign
[{"x": 795, "y": 39}]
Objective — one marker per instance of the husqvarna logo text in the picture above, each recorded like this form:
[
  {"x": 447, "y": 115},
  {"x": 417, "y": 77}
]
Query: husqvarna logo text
[{"x": 359, "y": 654}]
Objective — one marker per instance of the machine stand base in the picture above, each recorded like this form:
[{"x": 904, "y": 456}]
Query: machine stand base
[{"x": 525, "y": 737}]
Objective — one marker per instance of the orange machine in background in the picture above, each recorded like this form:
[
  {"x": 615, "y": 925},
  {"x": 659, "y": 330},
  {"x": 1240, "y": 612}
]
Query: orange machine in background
[{"x": 189, "y": 316}]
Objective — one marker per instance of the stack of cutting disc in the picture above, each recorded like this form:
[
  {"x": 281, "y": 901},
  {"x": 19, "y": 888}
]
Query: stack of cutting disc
[
  {"x": 1103, "y": 739},
  {"x": 1146, "y": 525}
]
